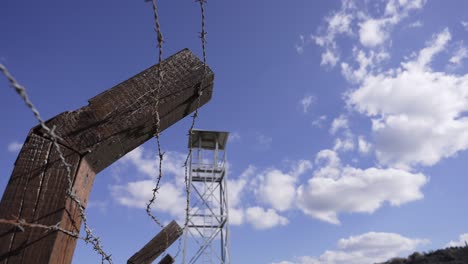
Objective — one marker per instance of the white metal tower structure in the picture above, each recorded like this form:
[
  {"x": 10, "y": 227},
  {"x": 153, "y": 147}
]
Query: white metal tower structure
[{"x": 206, "y": 237}]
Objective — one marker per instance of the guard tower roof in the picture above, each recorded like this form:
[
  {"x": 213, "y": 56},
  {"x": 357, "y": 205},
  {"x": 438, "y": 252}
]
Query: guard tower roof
[{"x": 208, "y": 139}]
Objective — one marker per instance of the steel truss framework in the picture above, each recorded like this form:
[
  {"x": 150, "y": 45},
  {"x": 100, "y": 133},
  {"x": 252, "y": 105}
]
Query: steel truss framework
[{"x": 206, "y": 237}]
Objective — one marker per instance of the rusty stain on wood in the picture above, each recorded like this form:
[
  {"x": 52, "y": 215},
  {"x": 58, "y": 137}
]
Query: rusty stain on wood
[
  {"x": 93, "y": 137},
  {"x": 156, "y": 246}
]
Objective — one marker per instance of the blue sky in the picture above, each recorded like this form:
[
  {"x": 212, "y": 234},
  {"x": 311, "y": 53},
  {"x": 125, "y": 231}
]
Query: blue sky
[{"x": 348, "y": 119}]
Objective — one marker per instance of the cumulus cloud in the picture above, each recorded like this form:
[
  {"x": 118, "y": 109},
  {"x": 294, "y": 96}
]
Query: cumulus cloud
[
  {"x": 339, "y": 123},
  {"x": 462, "y": 241},
  {"x": 300, "y": 47},
  {"x": 277, "y": 188},
  {"x": 464, "y": 24},
  {"x": 307, "y": 102},
  {"x": 329, "y": 58},
  {"x": 375, "y": 31},
  {"x": 14, "y": 147},
  {"x": 367, "y": 248},
  {"x": 338, "y": 23},
  {"x": 367, "y": 62},
  {"x": 264, "y": 218},
  {"x": 416, "y": 24},
  {"x": 460, "y": 54},
  {"x": 234, "y": 136},
  {"x": 417, "y": 114},
  {"x": 335, "y": 188},
  {"x": 363, "y": 146},
  {"x": 319, "y": 121},
  {"x": 236, "y": 216},
  {"x": 344, "y": 144},
  {"x": 372, "y": 31},
  {"x": 170, "y": 198},
  {"x": 147, "y": 163},
  {"x": 237, "y": 185}
]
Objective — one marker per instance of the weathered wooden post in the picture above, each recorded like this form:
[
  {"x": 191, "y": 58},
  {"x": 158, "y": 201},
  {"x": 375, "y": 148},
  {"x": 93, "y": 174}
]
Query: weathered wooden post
[
  {"x": 93, "y": 137},
  {"x": 156, "y": 246}
]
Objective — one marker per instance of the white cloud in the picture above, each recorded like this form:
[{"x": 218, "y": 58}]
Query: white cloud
[
  {"x": 372, "y": 32},
  {"x": 264, "y": 141},
  {"x": 335, "y": 189},
  {"x": 367, "y": 248},
  {"x": 343, "y": 144},
  {"x": 329, "y": 58},
  {"x": 367, "y": 63},
  {"x": 170, "y": 199},
  {"x": 14, "y": 146},
  {"x": 278, "y": 189},
  {"x": 462, "y": 241},
  {"x": 236, "y": 191},
  {"x": 306, "y": 102},
  {"x": 319, "y": 121},
  {"x": 363, "y": 145},
  {"x": 234, "y": 136},
  {"x": 237, "y": 186},
  {"x": 147, "y": 163},
  {"x": 99, "y": 205},
  {"x": 236, "y": 216},
  {"x": 464, "y": 24},
  {"x": 459, "y": 56},
  {"x": 338, "y": 23},
  {"x": 264, "y": 219},
  {"x": 300, "y": 47},
  {"x": 375, "y": 31},
  {"x": 416, "y": 24},
  {"x": 417, "y": 114},
  {"x": 338, "y": 123},
  {"x": 300, "y": 167},
  {"x": 438, "y": 44}
]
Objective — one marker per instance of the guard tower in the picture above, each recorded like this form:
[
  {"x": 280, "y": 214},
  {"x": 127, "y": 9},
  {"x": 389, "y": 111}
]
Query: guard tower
[{"x": 207, "y": 233}]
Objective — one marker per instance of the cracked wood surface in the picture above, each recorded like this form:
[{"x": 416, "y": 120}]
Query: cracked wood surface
[{"x": 93, "y": 137}]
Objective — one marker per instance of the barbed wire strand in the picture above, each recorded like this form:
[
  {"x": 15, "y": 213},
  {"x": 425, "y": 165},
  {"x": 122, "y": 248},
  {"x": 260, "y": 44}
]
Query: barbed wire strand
[
  {"x": 156, "y": 96},
  {"x": 202, "y": 37},
  {"x": 90, "y": 237}
]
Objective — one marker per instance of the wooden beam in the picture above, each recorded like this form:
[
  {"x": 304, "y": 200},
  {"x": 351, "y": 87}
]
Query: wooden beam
[
  {"x": 168, "y": 259},
  {"x": 153, "y": 249},
  {"x": 93, "y": 137}
]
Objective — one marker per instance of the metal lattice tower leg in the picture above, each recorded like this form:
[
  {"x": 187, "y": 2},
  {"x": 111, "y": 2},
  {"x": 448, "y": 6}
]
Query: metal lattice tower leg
[{"x": 206, "y": 236}]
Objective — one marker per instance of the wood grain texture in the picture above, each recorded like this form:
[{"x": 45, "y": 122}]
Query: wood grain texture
[
  {"x": 113, "y": 123},
  {"x": 154, "y": 248}
]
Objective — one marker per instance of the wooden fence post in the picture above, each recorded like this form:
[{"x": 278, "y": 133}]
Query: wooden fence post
[{"x": 93, "y": 137}]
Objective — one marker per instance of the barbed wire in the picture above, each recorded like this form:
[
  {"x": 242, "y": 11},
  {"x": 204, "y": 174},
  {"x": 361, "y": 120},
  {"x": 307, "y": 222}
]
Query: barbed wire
[
  {"x": 202, "y": 37},
  {"x": 21, "y": 223},
  {"x": 90, "y": 237},
  {"x": 156, "y": 95}
]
